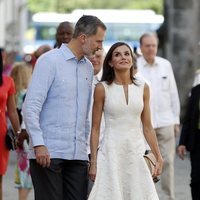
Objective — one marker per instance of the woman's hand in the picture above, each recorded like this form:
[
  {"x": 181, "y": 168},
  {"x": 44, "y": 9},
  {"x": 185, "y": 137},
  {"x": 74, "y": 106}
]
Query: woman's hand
[
  {"x": 158, "y": 168},
  {"x": 92, "y": 171}
]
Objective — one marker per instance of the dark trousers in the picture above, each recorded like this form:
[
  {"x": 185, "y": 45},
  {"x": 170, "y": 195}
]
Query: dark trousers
[
  {"x": 195, "y": 170},
  {"x": 63, "y": 180}
]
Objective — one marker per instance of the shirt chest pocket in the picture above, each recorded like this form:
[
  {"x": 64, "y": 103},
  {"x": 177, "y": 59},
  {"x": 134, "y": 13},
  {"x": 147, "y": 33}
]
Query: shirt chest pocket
[{"x": 165, "y": 83}]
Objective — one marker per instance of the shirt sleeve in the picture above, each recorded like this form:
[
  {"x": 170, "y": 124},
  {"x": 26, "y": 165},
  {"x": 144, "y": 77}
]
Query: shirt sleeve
[{"x": 36, "y": 95}]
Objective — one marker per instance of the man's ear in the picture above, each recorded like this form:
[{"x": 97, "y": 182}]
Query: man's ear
[{"x": 83, "y": 38}]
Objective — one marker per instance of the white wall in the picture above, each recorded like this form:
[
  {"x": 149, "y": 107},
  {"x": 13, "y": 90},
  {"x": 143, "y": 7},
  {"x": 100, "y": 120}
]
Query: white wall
[
  {"x": 2, "y": 24},
  {"x": 13, "y": 15}
]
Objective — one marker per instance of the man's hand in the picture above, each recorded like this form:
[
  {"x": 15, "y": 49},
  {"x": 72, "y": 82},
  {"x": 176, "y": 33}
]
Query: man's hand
[
  {"x": 181, "y": 150},
  {"x": 42, "y": 156}
]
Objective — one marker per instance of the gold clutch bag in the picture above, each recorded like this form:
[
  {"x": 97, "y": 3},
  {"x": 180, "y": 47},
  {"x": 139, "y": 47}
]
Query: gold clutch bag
[{"x": 151, "y": 163}]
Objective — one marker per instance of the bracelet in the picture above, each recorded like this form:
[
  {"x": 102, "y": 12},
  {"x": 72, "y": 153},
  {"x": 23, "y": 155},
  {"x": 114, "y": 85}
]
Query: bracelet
[
  {"x": 17, "y": 133},
  {"x": 92, "y": 162}
]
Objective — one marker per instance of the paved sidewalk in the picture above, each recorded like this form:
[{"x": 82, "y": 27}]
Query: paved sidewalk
[
  {"x": 9, "y": 190},
  {"x": 182, "y": 180}
]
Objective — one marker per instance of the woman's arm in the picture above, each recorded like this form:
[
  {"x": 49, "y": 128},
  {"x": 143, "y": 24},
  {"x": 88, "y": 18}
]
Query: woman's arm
[
  {"x": 149, "y": 132},
  {"x": 99, "y": 95},
  {"x": 12, "y": 113}
]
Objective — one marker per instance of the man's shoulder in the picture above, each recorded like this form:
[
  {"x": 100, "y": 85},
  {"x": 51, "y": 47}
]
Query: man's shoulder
[
  {"x": 140, "y": 61},
  {"x": 140, "y": 58},
  {"x": 51, "y": 53},
  {"x": 162, "y": 60},
  {"x": 50, "y": 56}
]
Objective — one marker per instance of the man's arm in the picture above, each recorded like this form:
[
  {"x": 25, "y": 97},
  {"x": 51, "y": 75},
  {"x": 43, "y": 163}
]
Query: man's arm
[{"x": 36, "y": 95}]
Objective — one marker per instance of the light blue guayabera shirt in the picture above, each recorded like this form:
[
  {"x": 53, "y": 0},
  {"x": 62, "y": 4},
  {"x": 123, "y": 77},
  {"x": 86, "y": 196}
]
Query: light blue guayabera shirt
[{"x": 57, "y": 104}]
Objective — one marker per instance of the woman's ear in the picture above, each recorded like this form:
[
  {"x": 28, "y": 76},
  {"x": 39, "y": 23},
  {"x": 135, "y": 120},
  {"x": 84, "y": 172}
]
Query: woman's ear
[{"x": 111, "y": 65}]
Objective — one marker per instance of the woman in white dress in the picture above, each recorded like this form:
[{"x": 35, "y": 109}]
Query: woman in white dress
[{"x": 118, "y": 168}]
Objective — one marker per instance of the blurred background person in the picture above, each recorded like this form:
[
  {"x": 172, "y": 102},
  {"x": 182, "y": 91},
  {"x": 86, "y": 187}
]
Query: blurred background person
[
  {"x": 190, "y": 139},
  {"x": 97, "y": 61},
  {"x": 7, "y": 104},
  {"x": 32, "y": 58},
  {"x": 165, "y": 106},
  {"x": 41, "y": 50},
  {"x": 21, "y": 74},
  {"x": 64, "y": 33},
  {"x": 3, "y": 55},
  {"x": 6, "y": 67},
  {"x": 196, "y": 78}
]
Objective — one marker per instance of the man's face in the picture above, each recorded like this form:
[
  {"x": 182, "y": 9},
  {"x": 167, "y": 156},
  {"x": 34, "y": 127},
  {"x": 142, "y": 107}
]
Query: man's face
[
  {"x": 97, "y": 60},
  {"x": 94, "y": 42},
  {"x": 149, "y": 48},
  {"x": 64, "y": 34}
]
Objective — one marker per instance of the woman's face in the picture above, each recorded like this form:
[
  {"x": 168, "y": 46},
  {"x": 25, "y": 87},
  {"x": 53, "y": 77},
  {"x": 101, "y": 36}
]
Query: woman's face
[
  {"x": 4, "y": 57},
  {"x": 121, "y": 58}
]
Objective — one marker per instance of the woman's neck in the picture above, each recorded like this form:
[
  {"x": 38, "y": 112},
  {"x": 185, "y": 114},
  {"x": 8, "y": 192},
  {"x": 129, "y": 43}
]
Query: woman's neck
[{"x": 122, "y": 81}]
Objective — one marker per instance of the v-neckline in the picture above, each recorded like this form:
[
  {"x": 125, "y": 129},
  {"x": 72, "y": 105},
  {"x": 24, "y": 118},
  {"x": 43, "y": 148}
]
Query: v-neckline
[{"x": 126, "y": 97}]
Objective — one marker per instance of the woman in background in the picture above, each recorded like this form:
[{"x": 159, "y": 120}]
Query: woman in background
[
  {"x": 7, "y": 105},
  {"x": 21, "y": 74}
]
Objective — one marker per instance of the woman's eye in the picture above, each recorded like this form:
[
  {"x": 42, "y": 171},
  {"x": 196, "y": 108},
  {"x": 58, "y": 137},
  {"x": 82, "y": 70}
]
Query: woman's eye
[{"x": 117, "y": 54}]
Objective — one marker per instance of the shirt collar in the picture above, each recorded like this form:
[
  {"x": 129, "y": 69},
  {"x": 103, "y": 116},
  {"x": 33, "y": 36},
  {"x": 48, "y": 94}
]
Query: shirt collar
[
  {"x": 144, "y": 62},
  {"x": 68, "y": 54}
]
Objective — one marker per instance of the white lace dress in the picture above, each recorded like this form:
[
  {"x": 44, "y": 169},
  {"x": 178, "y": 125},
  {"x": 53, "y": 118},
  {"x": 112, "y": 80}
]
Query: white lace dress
[{"x": 122, "y": 173}]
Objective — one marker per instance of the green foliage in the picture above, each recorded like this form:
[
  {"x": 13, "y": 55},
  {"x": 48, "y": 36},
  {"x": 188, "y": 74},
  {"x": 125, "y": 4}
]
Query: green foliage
[
  {"x": 156, "y": 5},
  {"x": 69, "y": 5}
]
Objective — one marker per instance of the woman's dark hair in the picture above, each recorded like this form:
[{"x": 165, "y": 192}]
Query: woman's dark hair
[
  {"x": 108, "y": 71},
  {"x": 1, "y": 67}
]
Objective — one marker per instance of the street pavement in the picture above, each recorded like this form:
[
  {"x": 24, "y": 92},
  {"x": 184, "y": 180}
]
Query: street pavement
[{"x": 182, "y": 180}]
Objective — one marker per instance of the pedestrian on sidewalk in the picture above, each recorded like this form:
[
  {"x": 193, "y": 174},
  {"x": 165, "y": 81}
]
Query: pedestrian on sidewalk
[
  {"x": 7, "y": 105},
  {"x": 118, "y": 168},
  {"x": 190, "y": 139},
  {"x": 164, "y": 104},
  {"x": 56, "y": 111}
]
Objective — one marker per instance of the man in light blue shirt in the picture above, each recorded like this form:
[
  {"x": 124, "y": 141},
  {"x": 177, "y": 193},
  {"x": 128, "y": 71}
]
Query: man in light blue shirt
[{"x": 56, "y": 114}]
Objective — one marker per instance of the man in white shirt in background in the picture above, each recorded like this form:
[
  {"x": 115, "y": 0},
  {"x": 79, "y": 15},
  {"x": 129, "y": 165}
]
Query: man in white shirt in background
[{"x": 165, "y": 106}]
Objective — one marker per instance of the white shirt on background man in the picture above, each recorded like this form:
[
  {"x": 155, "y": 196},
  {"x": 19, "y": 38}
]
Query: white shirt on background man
[{"x": 164, "y": 99}]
